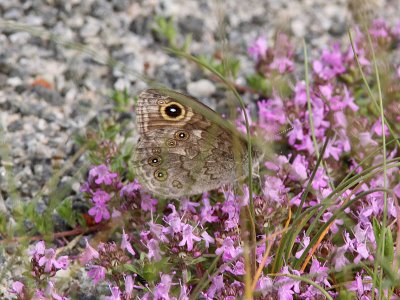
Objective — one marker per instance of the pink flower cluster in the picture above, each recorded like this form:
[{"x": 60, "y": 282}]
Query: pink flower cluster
[
  {"x": 183, "y": 237},
  {"x": 44, "y": 265}
]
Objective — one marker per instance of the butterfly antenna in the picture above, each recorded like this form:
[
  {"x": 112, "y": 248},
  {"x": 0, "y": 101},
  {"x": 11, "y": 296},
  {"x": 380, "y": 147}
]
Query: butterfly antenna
[{"x": 284, "y": 131}]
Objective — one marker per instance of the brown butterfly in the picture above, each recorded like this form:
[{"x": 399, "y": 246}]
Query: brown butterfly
[{"x": 185, "y": 147}]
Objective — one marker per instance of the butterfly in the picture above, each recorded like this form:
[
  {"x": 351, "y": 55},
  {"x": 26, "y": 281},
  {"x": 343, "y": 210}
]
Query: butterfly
[{"x": 185, "y": 147}]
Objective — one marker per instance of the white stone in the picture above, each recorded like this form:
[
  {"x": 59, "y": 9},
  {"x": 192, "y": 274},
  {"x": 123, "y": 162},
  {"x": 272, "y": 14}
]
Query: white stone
[{"x": 201, "y": 88}]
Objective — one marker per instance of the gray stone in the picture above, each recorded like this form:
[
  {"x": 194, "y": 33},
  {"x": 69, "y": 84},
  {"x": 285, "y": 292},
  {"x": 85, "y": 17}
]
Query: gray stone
[
  {"x": 141, "y": 25},
  {"x": 15, "y": 126},
  {"x": 192, "y": 25},
  {"x": 50, "y": 96},
  {"x": 121, "y": 5}
]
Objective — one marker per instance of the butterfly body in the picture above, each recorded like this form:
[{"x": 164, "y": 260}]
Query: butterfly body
[{"x": 183, "y": 151}]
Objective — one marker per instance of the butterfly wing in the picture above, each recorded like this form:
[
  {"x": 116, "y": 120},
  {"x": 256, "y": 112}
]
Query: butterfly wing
[{"x": 184, "y": 147}]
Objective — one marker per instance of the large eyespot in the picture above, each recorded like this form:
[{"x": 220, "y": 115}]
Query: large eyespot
[
  {"x": 172, "y": 111},
  {"x": 171, "y": 143},
  {"x": 182, "y": 135},
  {"x": 161, "y": 175},
  {"x": 154, "y": 161}
]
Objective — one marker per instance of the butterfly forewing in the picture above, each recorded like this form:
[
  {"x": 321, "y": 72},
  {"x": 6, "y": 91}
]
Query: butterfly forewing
[{"x": 182, "y": 151}]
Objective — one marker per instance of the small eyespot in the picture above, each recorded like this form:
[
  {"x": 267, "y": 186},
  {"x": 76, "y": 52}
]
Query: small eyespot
[
  {"x": 154, "y": 161},
  {"x": 161, "y": 175},
  {"x": 156, "y": 151},
  {"x": 177, "y": 184},
  {"x": 171, "y": 143},
  {"x": 182, "y": 135},
  {"x": 160, "y": 102}
]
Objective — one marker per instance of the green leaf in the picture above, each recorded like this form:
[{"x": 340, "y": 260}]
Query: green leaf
[
  {"x": 377, "y": 228},
  {"x": 197, "y": 260},
  {"x": 121, "y": 100},
  {"x": 67, "y": 213},
  {"x": 258, "y": 83},
  {"x": 132, "y": 268},
  {"x": 165, "y": 29},
  {"x": 152, "y": 270},
  {"x": 389, "y": 247}
]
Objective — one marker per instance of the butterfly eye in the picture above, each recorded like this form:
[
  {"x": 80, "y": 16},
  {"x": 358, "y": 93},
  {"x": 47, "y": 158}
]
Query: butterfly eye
[
  {"x": 182, "y": 135},
  {"x": 161, "y": 175},
  {"x": 154, "y": 161}
]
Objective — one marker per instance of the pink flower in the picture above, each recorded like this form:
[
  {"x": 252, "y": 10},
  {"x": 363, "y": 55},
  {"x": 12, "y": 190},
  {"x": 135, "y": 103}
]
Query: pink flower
[
  {"x": 154, "y": 250},
  {"x": 366, "y": 139},
  {"x": 217, "y": 285},
  {"x": 282, "y": 65},
  {"x": 17, "y": 288},
  {"x": 88, "y": 254},
  {"x": 102, "y": 175},
  {"x": 129, "y": 285},
  {"x": 300, "y": 96},
  {"x": 334, "y": 227},
  {"x": 377, "y": 128},
  {"x": 101, "y": 196},
  {"x": 271, "y": 114},
  {"x": 379, "y": 29},
  {"x": 125, "y": 245},
  {"x": 332, "y": 150},
  {"x": 287, "y": 286},
  {"x": 320, "y": 273},
  {"x": 130, "y": 189},
  {"x": 161, "y": 291},
  {"x": 306, "y": 242},
  {"x": 51, "y": 293},
  {"x": 228, "y": 250},
  {"x": 99, "y": 210},
  {"x": 187, "y": 205},
  {"x": 188, "y": 237},
  {"x": 258, "y": 49},
  {"x": 207, "y": 211},
  {"x": 38, "y": 250},
  {"x": 49, "y": 260},
  {"x": 330, "y": 64},
  {"x": 298, "y": 169},
  {"x": 207, "y": 238},
  {"x": 396, "y": 190},
  {"x": 340, "y": 259},
  {"x": 231, "y": 207},
  {"x": 115, "y": 294},
  {"x": 296, "y": 134},
  {"x": 264, "y": 285},
  {"x": 85, "y": 188},
  {"x": 320, "y": 179},
  {"x": 274, "y": 189},
  {"x": 359, "y": 286},
  {"x": 97, "y": 273},
  {"x": 238, "y": 269},
  {"x": 159, "y": 231}
]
